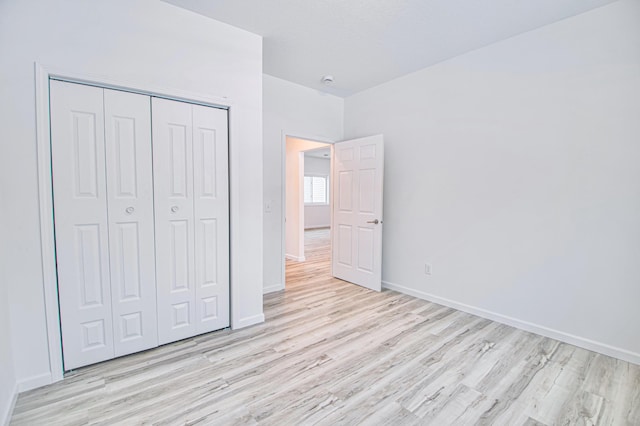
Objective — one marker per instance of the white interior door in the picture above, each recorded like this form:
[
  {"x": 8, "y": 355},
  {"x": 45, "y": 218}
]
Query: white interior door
[
  {"x": 192, "y": 222},
  {"x": 173, "y": 183},
  {"x": 81, "y": 224},
  {"x": 211, "y": 196},
  {"x": 130, "y": 212},
  {"x": 357, "y": 177}
]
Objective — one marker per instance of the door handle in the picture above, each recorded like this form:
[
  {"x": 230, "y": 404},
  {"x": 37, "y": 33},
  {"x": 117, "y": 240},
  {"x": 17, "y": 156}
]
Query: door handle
[{"x": 375, "y": 221}]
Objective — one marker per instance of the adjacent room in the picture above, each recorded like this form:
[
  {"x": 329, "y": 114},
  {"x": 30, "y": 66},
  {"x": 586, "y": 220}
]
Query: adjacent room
[{"x": 418, "y": 212}]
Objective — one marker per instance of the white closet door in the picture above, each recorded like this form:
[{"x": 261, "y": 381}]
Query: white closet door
[
  {"x": 190, "y": 163},
  {"x": 81, "y": 225},
  {"x": 130, "y": 212},
  {"x": 210, "y": 169},
  {"x": 174, "y": 214}
]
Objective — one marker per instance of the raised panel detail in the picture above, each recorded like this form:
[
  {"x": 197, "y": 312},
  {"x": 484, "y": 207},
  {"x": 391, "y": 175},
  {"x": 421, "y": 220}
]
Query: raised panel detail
[
  {"x": 365, "y": 252},
  {"x": 366, "y": 191},
  {"x": 88, "y": 262},
  {"x": 179, "y": 255},
  {"x": 85, "y": 151},
  {"x": 345, "y": 185},
  {"x": 345, "y": 239},
  {"x": 345, "y": 154},
  {"x": 210, "y": 308},
  {"x": 131, "y": 326},
  {"x": 367, "y": 152},
  {"x": 180, "y": 315},
  {"x": 127, "y": 261},
  {"x": 209, "y": 262},
  {"x": 178, "y": 160},
  {"x": 125, "y": 143},
  {"x": 93, "y": 335},
  {"x": 207, "y": 142}
]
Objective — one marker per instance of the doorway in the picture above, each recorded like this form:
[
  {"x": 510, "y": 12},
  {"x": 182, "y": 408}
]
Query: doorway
[
  {"x": 307, "y": 196},
  {"x": 356, "y": 200}
]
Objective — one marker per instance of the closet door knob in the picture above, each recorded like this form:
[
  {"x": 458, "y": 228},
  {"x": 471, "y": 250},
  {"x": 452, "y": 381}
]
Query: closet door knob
[
  {"x": 174, "y": 209},
  {"x": 129, "y": 210}
]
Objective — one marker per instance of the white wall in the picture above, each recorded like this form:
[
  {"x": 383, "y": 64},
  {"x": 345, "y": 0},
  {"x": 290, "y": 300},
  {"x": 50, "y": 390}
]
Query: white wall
[
  {"x": 514, "y": 170},
  {"x": 7, "y": 375},
  {"x": 294, "y": 110},
  {"x": 317, "y": 216},
  {"x": 294, "y": 187},
  {"x": 137, "y": 41},
  {"x": 317, "y": 166}
]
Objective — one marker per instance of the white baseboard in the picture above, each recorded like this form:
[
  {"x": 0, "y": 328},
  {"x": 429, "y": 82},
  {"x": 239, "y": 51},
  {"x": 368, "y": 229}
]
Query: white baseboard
[
  {"x": 296, "y": 258},
  {"x": 248, "y": 321},
  {"x": 5, "y": 416},
  {"x": 272, "y": 288},
  {"x": 582, "y": 342},
  {"x": 34, "y": 382}
]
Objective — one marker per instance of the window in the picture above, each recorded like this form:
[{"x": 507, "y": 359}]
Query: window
[{"x": 316, "y": 190}]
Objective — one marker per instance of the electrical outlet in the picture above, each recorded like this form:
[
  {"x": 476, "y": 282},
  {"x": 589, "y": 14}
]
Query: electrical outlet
[{"x": 428, "y": 269}]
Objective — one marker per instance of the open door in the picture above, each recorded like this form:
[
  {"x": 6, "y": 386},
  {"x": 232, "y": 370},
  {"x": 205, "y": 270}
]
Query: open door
[{"x": 357, "y": 211}]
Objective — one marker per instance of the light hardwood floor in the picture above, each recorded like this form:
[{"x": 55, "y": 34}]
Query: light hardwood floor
[{"x": 333, "y": 353}]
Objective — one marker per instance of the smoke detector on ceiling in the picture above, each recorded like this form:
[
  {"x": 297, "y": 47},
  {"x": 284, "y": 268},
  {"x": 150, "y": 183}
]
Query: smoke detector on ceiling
[{"x": 327, "y": 79}]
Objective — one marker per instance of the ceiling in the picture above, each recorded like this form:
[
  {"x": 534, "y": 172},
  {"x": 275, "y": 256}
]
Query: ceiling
[{"x": 363, "y": 43}]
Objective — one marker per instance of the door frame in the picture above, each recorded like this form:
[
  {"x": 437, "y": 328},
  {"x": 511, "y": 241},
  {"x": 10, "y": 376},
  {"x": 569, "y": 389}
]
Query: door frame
[
  {"x": 43, "y": 75},
  {"x": 284, "y": 134}
]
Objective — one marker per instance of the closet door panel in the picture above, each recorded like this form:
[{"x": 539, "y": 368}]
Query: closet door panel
[
  {"x": 211, "y": 202},
  {"x": 81, "y": 223},
  {"x": 174, "y": 219},
  {"x": 131, "y": 229}
]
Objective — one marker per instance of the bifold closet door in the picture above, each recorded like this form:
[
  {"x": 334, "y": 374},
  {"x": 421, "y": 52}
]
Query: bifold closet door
[
  {"x": 103, "y": 203},
  {"x": 130, "y": 212},
  {"x": 81, "y": 223},
  {"x": 192, "y": 220}
]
